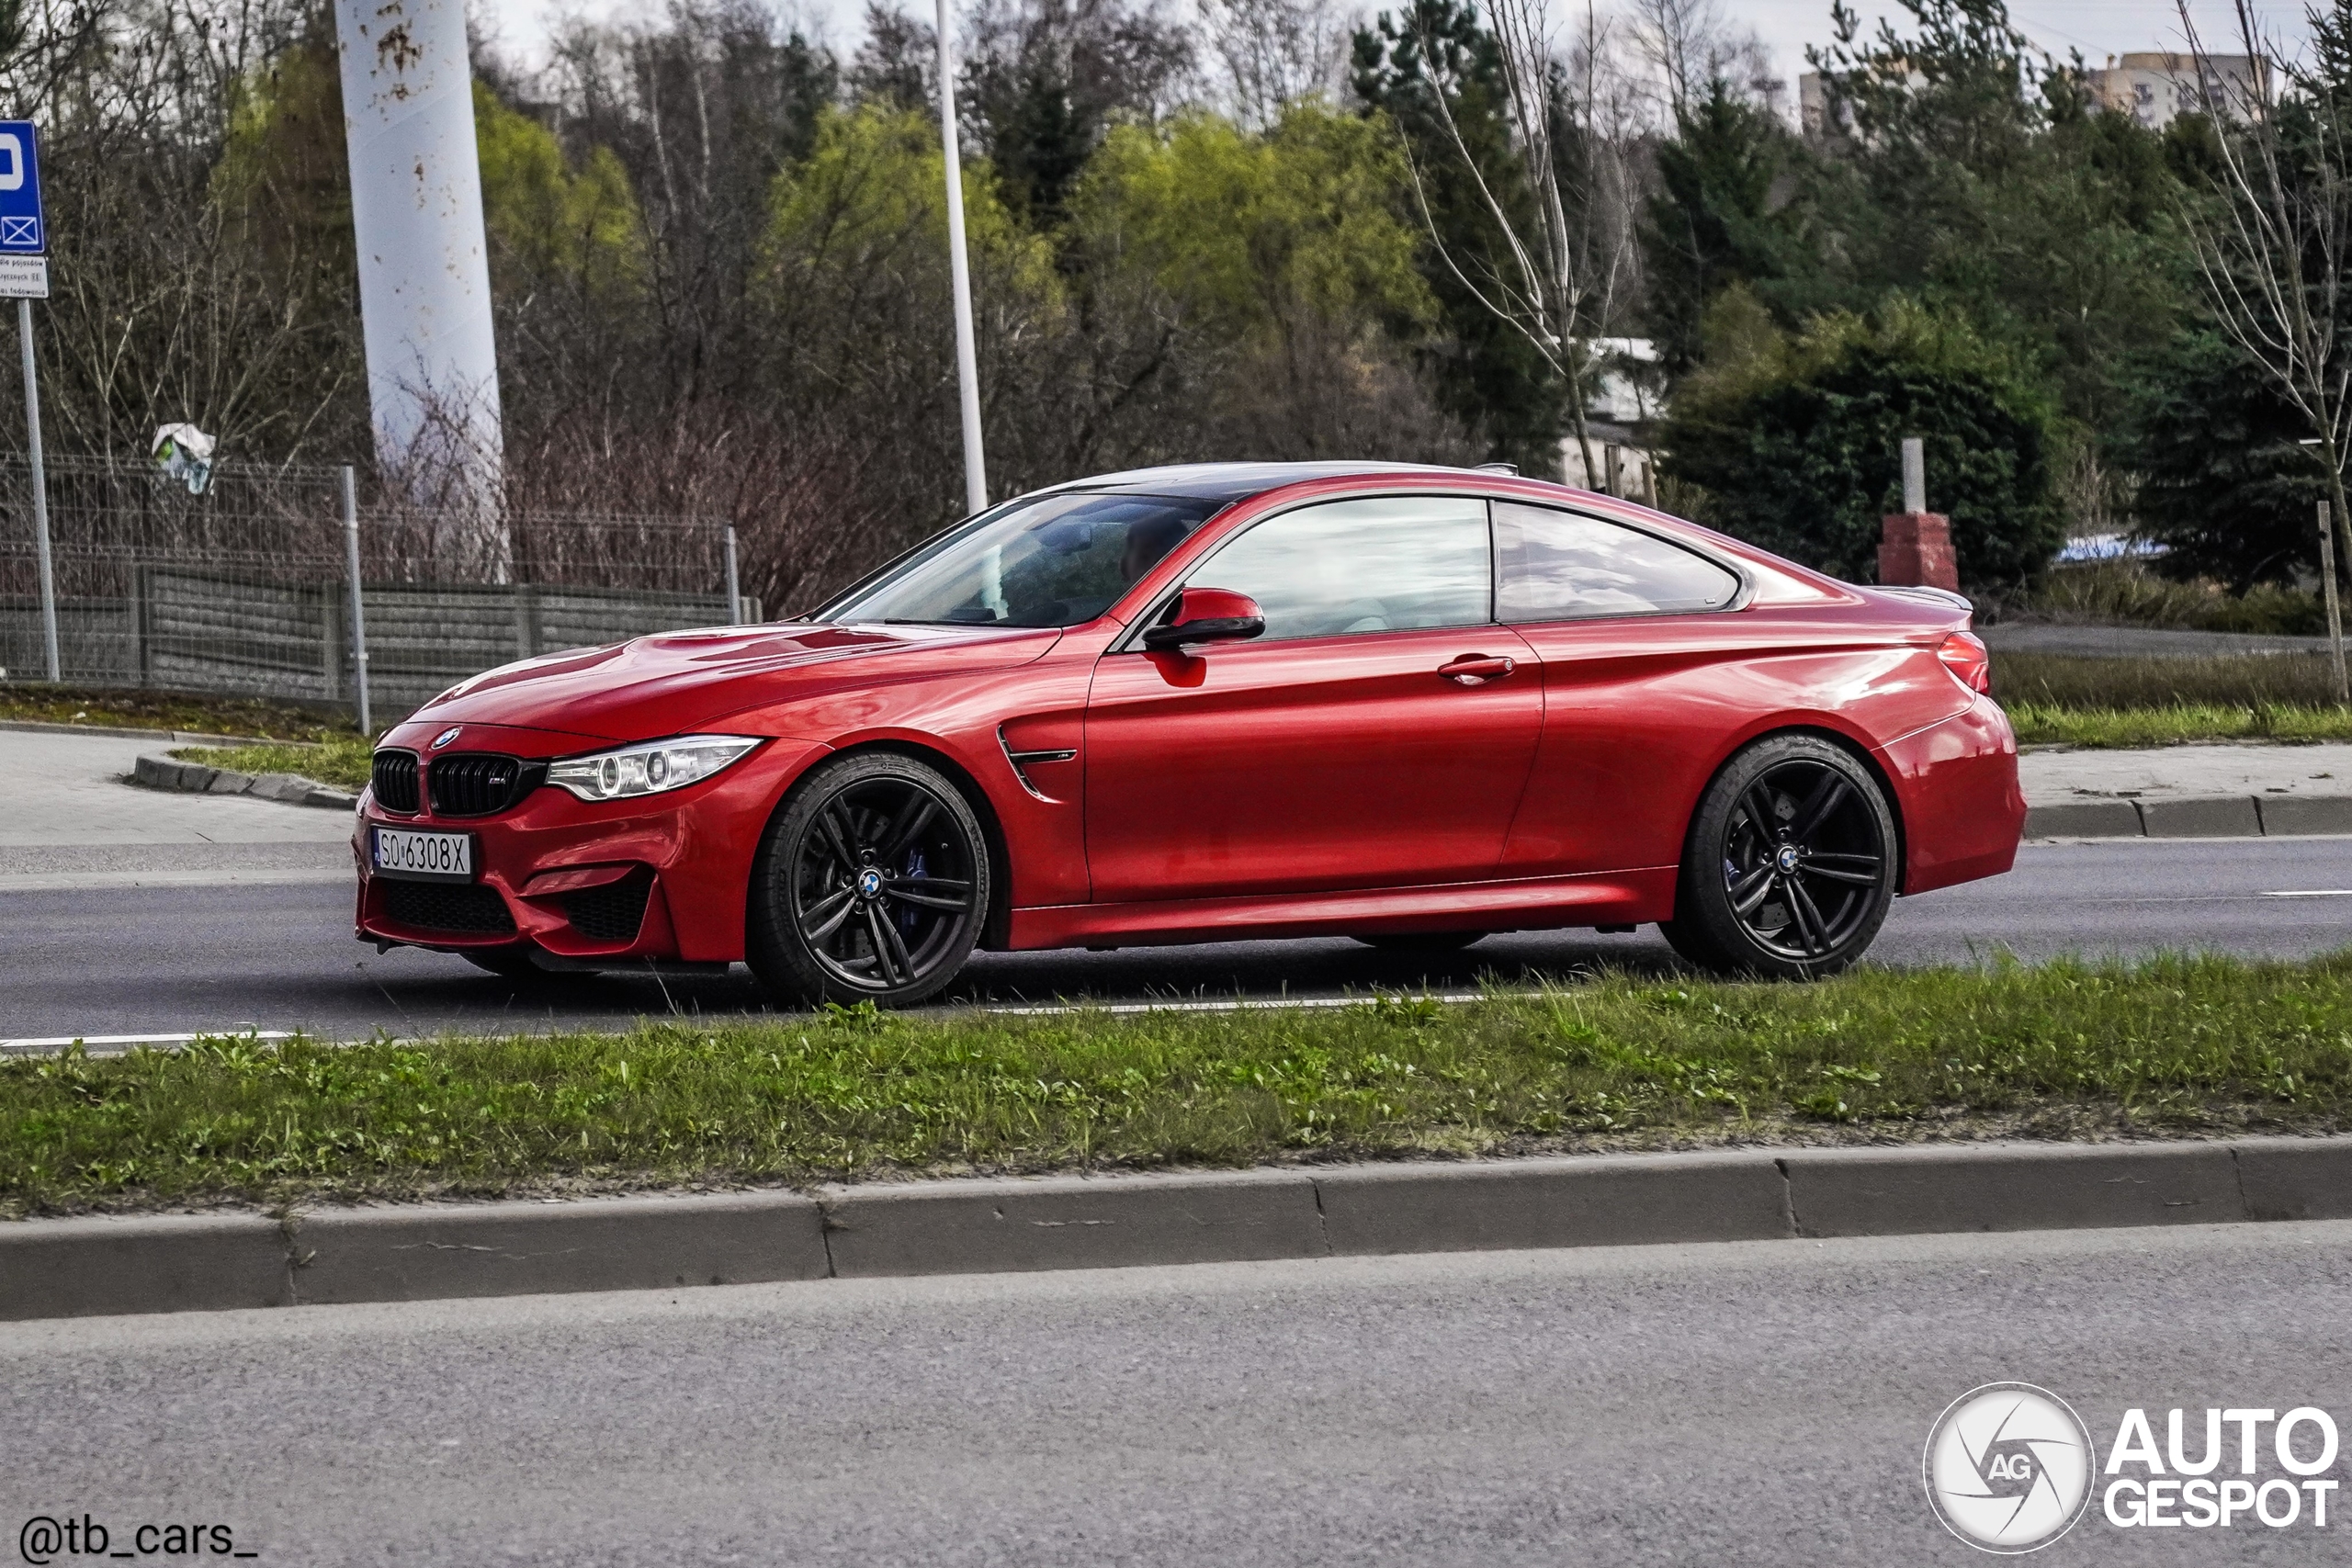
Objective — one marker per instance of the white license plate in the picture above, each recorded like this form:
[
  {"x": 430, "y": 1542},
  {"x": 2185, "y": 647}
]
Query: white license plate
[{"x": 430, "y": 857}]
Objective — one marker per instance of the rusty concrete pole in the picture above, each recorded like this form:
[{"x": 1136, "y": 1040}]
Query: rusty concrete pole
[{"x": 424, "y": 263}]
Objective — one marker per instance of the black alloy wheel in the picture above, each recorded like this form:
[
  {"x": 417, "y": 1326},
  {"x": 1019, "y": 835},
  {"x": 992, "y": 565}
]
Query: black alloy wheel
[
  {"x": 872, "y": 884},
  {"x": 1790, "y": 864}
]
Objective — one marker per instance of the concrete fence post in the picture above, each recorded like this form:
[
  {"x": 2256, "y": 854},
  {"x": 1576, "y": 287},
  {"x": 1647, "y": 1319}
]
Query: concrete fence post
[
  {"x": 734, "y": 588},
  {"x": 358, "y": 610},
  {"x": 1915, "y": 544}
]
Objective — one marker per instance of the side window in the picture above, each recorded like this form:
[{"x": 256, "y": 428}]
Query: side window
[
  {"x": 1363, "y": 565},
  {"x": 1557, "y": 565}
]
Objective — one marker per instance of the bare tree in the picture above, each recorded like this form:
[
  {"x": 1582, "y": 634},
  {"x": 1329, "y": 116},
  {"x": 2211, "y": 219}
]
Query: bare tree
[
  {"x": 2272, "y": 249},
  {"x": 1566, "y": 259},
  {"x": 1690, "y": 43},
  {"x": 1271, "y": 52}
]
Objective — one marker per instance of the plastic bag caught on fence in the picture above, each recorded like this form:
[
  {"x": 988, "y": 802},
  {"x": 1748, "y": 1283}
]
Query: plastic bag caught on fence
[{"x": 185, "y": 454}]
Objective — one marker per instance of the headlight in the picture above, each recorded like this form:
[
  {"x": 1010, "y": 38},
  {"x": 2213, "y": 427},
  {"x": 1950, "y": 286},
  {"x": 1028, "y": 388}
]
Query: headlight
[{"x": 650, "y": 767}]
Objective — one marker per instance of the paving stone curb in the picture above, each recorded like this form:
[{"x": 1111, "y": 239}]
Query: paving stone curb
[
  {"x": 106, "y": 1265},
  {"x": 2193, "y": 817},
  {"x": 195, "y": 778}
]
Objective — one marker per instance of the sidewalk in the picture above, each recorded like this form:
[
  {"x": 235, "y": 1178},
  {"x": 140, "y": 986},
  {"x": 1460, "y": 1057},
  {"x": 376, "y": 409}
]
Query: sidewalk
[
  {"x": 2188, "y": 791},
  {"x": 67, "y": 820}
]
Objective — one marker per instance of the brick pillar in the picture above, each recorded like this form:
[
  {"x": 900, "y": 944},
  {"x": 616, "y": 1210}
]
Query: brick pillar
[{"x": 1914, "y": 551}]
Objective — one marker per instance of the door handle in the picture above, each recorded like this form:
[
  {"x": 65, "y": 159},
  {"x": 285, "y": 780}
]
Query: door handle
[{"x": 1476, "y": 668}]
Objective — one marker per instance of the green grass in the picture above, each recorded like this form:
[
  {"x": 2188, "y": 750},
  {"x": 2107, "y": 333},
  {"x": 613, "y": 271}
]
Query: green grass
[
  {"x": 341, "y": 761},
  {"x": 2038, "y": 724},
  {"x": 165, "y": 710},
  {"x": 2178, "y": 1046}
]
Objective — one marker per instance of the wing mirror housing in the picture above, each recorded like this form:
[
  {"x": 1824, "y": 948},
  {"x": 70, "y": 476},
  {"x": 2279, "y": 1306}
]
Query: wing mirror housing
[{"x": 1207, "y": 615}]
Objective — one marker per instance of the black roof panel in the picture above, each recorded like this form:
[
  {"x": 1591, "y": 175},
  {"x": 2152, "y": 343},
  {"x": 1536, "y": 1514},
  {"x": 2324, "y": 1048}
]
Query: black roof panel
[{"x": 1232, "y": 481}]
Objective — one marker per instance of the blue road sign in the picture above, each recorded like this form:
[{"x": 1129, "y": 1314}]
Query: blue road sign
[{"x": 22, "y": 232}]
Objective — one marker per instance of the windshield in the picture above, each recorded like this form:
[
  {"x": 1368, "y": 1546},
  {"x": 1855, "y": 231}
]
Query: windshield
[{"x": 1056, "y": 560}]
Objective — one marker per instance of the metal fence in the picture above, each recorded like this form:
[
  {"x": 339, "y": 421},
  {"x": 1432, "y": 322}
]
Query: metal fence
[{"x": 279, "y": 582}]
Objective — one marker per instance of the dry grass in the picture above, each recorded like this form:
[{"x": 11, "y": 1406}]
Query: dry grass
[{"x": 133, "y": 709}]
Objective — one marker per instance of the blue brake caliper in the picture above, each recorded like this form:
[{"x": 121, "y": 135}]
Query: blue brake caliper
[{"x": 914, "y": 869}]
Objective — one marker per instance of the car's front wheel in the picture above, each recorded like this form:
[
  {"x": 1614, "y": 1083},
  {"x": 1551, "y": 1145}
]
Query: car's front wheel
[
  {"x": 1790, "y": 864},
  {"x": 872, "y": 884}
]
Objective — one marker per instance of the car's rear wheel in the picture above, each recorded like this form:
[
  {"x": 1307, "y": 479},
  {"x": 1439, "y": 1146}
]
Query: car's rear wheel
[
  {"x": 1790, "y": 864},
  {"x": 1432, "y": 942},
  {"x": 872, "y": 884}
]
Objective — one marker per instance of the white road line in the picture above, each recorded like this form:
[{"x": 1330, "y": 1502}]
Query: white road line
[
  {"x": 80, "y": 880},
  {"x": 116, "y": 1045},
  {"x": 2313, "y": 893},
  {"x": 1237, "y": 1006}
]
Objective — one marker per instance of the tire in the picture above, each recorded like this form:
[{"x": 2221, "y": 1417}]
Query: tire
[
  {"x": 1789, "y": 866},
  {"x": 872, "y": 884},
  {"x": 1432, "y": 942},
  {"x": 509, "y": 963}
]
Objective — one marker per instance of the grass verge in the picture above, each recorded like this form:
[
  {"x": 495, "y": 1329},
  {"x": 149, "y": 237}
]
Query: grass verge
[
  {"x": 2176, "y": 1046},
  {"x": 44, "y": 703},
  {"x": 340, "y": 759}
]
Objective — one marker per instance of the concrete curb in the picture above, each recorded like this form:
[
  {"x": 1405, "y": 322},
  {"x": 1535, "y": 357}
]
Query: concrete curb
[
  {"x": 2193, "y": 817},
  {"x": 193, "y": 1263},
  {"x": 194, "y": 778}
]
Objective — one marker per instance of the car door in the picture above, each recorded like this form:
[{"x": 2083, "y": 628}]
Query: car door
[
  {"x": 1634, "y": 644},
  {"x": 1378, "y": 734}
]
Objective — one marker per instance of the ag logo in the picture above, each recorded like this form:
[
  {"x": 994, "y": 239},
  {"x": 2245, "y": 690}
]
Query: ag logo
[
  {"x": 445, "y": 738},
  {"x": 2008, "y": 1467}
]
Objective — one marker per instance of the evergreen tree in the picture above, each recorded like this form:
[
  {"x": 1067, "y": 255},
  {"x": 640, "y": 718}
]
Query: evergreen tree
[{"x": 1722, "y": 213}]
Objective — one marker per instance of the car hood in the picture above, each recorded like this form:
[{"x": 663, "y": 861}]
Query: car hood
[{"x": 677, "y": 682}]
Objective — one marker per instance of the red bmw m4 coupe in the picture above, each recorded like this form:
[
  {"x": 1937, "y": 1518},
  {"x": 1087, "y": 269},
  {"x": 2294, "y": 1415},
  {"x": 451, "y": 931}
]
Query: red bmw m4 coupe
[{"x": 1407, "y": 704}]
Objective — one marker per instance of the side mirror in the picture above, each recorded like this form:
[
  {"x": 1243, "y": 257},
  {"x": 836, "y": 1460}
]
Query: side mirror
[{"x": 1207, "y": 615}]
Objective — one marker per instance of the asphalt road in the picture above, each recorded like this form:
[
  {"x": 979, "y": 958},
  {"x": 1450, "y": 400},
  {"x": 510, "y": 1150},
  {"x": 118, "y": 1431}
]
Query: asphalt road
[
  {"x": 1758, "y": 1402},
  {"x": 118, "y": 961}
]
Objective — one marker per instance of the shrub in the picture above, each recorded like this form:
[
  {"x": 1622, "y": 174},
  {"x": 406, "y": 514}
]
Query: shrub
[{"x": 1798, "y": 440}]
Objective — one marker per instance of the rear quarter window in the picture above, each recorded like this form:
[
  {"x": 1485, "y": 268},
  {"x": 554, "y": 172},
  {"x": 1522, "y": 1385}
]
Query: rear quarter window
[{"x": 1563, "y": 566}]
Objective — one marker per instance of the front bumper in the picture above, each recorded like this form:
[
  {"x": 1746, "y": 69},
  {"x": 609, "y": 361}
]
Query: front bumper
[{"x": 663, "y": 876}]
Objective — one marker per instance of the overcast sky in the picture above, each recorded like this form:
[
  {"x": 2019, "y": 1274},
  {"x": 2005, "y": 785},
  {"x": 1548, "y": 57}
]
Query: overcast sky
[{"x": 2095, "y": 27}]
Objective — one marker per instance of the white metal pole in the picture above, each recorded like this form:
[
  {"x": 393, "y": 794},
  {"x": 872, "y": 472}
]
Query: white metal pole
[
  {"x": 734, "y": 589},
  {"x": 424, "y": 256},
  {"x": 1915, "y": 475},
  {"x": 359, "y": 611},
  {"x": 2334, "y": 613},
  {"x": 41, "y": 492},
  {"x": 967, "y": 365}
]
